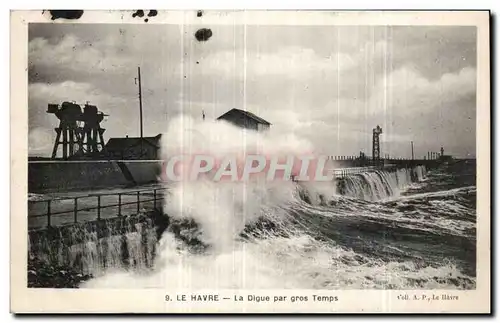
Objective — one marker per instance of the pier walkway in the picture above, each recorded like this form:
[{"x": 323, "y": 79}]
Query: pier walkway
[{"x": 47, "y": 211}]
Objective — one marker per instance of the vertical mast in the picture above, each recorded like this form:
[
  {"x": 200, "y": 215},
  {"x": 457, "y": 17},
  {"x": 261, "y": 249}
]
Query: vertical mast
[
  {"x": 140, "y": 107},
  {"x": 140, "y": 97}
]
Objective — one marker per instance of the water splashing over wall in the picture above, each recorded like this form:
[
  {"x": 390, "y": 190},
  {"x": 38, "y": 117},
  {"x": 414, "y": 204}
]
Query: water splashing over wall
[
  {"x": 92, "y": 248},
  {"x": 379, "y": 185}
]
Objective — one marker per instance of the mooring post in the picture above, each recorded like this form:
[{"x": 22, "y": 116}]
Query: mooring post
[
  {"x": 138, "y": 202},
  {"x": 48, "y": 213},
  {"x": 119, "y": 204},
  {"x": 98, "y": 207},
  {"x": 75, "y": 210}
]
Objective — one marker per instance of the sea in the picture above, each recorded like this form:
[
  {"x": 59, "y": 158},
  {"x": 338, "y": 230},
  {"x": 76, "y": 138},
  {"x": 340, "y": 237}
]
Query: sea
[{"x": 402, "y": 229}]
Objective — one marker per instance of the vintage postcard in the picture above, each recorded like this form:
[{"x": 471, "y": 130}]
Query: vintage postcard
[{"x": 250, "y": 161}]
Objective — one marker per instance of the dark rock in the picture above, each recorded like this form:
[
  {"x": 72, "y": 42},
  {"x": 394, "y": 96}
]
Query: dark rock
[{"x": 43, "y": 275}]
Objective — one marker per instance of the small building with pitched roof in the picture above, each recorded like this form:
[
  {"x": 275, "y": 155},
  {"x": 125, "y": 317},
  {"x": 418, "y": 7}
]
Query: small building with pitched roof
[
  {"x": 245, "y": 119},
  {"x": 133, "y": 148}
]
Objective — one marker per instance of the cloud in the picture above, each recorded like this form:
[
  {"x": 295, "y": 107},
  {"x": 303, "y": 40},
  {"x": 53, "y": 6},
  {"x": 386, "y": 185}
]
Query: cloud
[
  {"x": 41, "y": 94},
  {"x": 410, "y": 93},
  {"x": 331, "y": 85},
  {"x": 406, "y": 104},
  {"x": 40, "y": 142},
  {"x": 291, "y": 62},
  {"x": 73, "y": 54},
  {"x": 433, "y": 113}
]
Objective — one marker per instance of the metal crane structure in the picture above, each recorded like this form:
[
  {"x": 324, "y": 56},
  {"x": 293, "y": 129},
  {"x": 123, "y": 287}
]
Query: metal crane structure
[
  {"x": 79, "y": 128},
  {"x": 376, "y": 143}
]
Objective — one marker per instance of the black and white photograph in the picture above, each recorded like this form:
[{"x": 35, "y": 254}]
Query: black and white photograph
[{"x": 202, "y": 157}]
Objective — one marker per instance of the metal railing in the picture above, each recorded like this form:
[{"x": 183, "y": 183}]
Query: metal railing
[
  {"x": 369, "y": 158},
  {"x": 342, "y": 172},
  {"x": 154, "y": 195}
]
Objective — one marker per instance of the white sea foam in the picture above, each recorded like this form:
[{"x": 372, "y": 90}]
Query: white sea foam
[{"x": 296, "y": 262}]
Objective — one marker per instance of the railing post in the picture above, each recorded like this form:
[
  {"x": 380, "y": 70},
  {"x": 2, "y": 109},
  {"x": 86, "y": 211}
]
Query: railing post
[
  {"x": 48, "y": 213},
  {"x": 154, "y": 199},
  {"x": 119, "y": 204},
  {"x": 75, "y": 210},
  {"x": 98, "y": 207},
  {"x": 138, "y": 202}
]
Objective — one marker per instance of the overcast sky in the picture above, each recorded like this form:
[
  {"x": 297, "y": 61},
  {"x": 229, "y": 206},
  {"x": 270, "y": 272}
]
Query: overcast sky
[{"x": 329, "y": 84}]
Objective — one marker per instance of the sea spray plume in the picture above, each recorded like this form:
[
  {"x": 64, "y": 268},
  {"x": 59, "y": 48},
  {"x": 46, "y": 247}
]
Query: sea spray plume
[
  {"x": 186, "y": 136},
  {"x": 223, "y": 209},
  {"x": 221, "y": 151}
]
